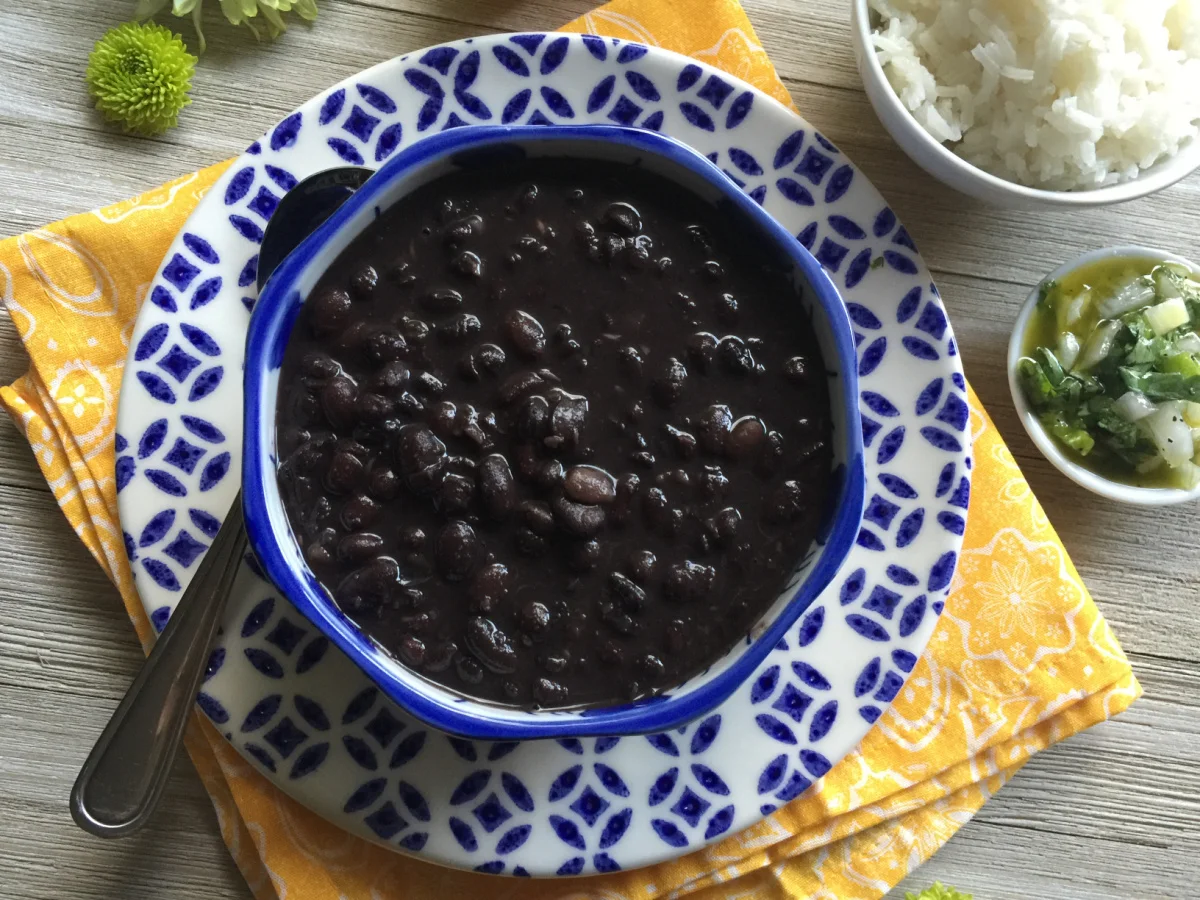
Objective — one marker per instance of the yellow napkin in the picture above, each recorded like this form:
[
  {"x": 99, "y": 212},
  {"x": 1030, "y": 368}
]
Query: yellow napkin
[{"x": 1021, "y": 657}]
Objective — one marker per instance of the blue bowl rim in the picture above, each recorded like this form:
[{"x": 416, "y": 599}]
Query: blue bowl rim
[{"x": 469, "y": 717}]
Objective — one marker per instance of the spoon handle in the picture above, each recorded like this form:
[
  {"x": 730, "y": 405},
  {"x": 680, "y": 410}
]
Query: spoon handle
[{"x": 119, "y": 785}]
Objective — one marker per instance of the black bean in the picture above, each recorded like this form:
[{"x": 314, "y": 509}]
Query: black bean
[
  {"x": 689, "y": 582},
  {"x": 350, "y": 341},
  {"x": 457, "y": 550},
  {"x": 712, "y": 270},
  {"x": 588, "y": 484},
  {"x": 620, "y": 622},
  {"x": 421, "y": 456},
  {"x": 441, "y": 418},
  {"x": 363, "y": 283},
  {"x": 411, "y": 651},
  {"x": 771, "y": 457},
  {"x": 627, "y": 489},
  {"x": 702, "y": 349},
  {"x": 391, "y": 378},
  {"x": 491, "y": 645},
  {"x": 345, "y": 474},
  {"x": 578, "y": 518},
  {"x": 319, "y": 366},
  {"x": 329, "y": 311},
  {"x": 415, "y": 331},
  {"x": 656, "y": 507},
  {"x": 359, "y": 546},
  {"x": 439, "y": 657},
  {"x": 585, "y": 555},
  {"x": 468, "y": 669},
  {"x": 651, "y": 666},
  {"x": 429, "y": 384},
  {"x": 352, "y": 447},
  {"x": 467, "y": 264},
  {"x": 290, "y": 438},
  {"x": 455, "y": 493},
  {"x": 611, "y": 653},
  {"x": 622, "y": 218},
  {"x": 489, "y": 357},
  {"x": 459, "y": 328},
  {"x": 368, "y": 587},
  {"x": 797, "y": 370},
  {"x": 461, "y": 229},
  {"x": 549, "y": 475},
  {"x": 533, "y": 418},
  {"x": 746, "y": 437},
  {"x": 528, "y": 196},
  {"x": 490, "y": 586},
  {"x": 384, "y": 345},
  {"x": 413, "y": 537},
  {"x": 373, "y": 408},
  {"x": 359, "y": 512},
  {"x": 567, "y": 420},
  {"x": 317, "y": 554},
  {"x": 549, "y": 693},
  {"x": 337, "y": 402},
  {"x": 518, "y": 385},
  {"x": 418, "y": 449},
  {"x": 611, "y": 246},
  {"x": 668, "y": 387},
  {"x": 441, "y": 300},
  {"x": 683, "y": 442},
  {"x": 787, "y": 503},
  {"x": 525, "y": 333},
  {"x": 713, "y": 427},
  {"x": 408, "y": 404},
  {"x": 318, "y": 518},
  {"x": 642, "y": 566},
  {"x": 735, "y": 356},
  {"x": 537, "y": 516},
  {"x": 304, "y": 406},
  {"x": 631, "y": 360},
  {"x": 700, "y": 237},
  {"x": 675, "y": 637},
  {"x": 631, "y": 597},
  {"x": 528, "y": 464},
  {"x": 554, "y": 662},
  {"x": 496, "y": 485},
  {"x": 727, "y": 309},
  {"x": 724, "y": 525},
  {"x": 410, "y": 598},
  {"x": 383, "y": 484},
  {"x": 675, "y": 523},
  {"x": 531, "y": 544},
  {"x": 535, "y": 617}
]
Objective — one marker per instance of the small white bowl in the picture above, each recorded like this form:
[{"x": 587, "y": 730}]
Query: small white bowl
[
  {"x": 1050, "y": 448},
  {"x": 940, "y": 162}
]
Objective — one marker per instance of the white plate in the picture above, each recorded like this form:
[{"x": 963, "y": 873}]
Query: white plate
[{"x": 313, "y": 723}]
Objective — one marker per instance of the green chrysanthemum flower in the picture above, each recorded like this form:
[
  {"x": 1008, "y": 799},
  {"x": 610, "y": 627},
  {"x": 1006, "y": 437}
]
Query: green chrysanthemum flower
[
  {"x": 139, "y": 76},
  {"x": 937, "y": 892},
  {"x": 238, "y": 12}
]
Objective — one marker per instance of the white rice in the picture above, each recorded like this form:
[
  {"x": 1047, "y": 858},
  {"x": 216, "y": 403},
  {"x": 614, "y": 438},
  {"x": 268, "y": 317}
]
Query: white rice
[{"x": 1055, "y": 94}]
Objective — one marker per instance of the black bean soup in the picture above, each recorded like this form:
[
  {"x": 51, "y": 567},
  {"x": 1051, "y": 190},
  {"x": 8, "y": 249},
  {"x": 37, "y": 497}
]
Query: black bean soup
[{"x": 554, "y": 435}]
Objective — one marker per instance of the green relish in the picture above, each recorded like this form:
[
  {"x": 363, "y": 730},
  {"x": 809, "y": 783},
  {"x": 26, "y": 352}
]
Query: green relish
[{"x": 1112, "y": 369}]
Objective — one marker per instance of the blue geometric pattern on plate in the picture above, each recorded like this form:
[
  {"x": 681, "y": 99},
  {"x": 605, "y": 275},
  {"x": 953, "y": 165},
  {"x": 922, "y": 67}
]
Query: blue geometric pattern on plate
[{"x": 312, "y": 722}]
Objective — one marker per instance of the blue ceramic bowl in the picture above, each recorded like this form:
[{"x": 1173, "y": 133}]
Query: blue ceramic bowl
[{"x": 271, "y": 326}]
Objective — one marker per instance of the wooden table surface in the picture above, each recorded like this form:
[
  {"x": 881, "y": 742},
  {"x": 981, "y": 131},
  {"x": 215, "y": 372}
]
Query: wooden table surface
[{"x": 1112, "y": 813}]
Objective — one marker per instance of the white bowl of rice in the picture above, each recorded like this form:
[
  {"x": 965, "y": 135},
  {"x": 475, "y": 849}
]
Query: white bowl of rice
[{"x": 1029, "y": 103}]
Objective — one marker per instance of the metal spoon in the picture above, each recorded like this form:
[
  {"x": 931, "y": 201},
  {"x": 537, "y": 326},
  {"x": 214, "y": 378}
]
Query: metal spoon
[{"x": 120, "y": 783}]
